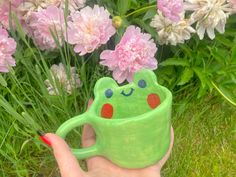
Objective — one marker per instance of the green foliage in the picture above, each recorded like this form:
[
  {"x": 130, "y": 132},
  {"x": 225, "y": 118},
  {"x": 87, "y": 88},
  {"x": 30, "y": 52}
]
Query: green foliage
[
  {"x": 123, "y": 6},
  {"x": 205, "y": 140},
  {"x": 209, "y": 65},
  {"x": 194, "y": 69}
]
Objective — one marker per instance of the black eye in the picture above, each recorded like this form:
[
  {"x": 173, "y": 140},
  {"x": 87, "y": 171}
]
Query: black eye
[
  {"x": 142, "y": 83},
  {"x": 108, "y": 93}
]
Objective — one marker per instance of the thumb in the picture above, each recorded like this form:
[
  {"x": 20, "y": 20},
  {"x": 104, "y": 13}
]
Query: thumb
[
  {"x": 165, "y": 158},
  {"x": 68, "y": 164}
]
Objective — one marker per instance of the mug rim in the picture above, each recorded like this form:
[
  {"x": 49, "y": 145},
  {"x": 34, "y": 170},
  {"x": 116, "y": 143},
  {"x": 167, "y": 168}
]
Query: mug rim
[{"x": 167, "y": 100}]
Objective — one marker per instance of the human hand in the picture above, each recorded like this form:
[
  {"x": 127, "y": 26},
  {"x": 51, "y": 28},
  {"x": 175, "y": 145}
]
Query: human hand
[{"x": 98, "y": 166}]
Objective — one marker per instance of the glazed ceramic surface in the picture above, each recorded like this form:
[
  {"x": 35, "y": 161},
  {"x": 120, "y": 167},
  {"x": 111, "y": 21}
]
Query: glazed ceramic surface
[{"x": 132, "y": 122}]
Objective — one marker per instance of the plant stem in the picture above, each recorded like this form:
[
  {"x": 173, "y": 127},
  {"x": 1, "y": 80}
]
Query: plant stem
[
  {"x": 139, "y": 10},
  {"x": 229, "y": 100}
]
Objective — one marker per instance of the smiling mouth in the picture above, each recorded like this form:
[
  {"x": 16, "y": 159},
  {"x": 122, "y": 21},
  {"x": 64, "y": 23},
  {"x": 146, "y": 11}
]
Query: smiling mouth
[{"x": 127, "y": 94}]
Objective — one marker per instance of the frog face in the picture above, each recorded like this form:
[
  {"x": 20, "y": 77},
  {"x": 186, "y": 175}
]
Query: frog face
[{"x": 136, "y": 98}]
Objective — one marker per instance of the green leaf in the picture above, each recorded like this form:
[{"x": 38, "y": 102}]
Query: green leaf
[
  {"x": 134, "y": 4},
  {"x": 66, "y": 10},
  {"x": 146, "y": 27},
  {"x": 230, "y": 32},
  {"x": 166, "y": 73},
  {"x": 123, "y": 6},
  {"x": 201, "y": 75},
  {"x": 201, "y": 92},
  {"x": 19, "y": 27},
  {"x": 152, "y": 1},
  {"x": 149, "y": 14},
  {"x": 226, "y": 93},
  {"x": 186, "y": 76},
  {"x": 119, "y": 35},
  {"x": 175, "y": 62},
  {"x": 233, "y": 55},
  {"x": 2, "y": 81},
  {"x": 8, "y": 108},
  {"x": 224, "y": 41},
  {"x": 187, "y": 50}
]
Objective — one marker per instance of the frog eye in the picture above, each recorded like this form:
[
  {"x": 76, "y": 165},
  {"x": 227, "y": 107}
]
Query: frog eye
[
  {"x": 108, "y": 93},
  {"x": 142, "y": 83}
]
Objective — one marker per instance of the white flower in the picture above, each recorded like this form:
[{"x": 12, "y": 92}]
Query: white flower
[
  {"x": 59, "y": 76},
  {"x": 73, "y": 5},
  {"x": 172, "y": 32},
  {"x": 209, "y": 15},
  {"x": 27, "y": 7}
]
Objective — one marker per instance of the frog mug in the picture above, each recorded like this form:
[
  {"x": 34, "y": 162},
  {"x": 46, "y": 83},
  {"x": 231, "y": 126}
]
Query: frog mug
[{"x": 131, "y": 122}]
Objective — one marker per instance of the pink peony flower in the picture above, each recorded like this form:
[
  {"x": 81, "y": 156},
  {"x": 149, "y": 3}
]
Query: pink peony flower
[
  {"x": 233, "y": 4},
  {"x": 5, "y": 8},
  {"x": 171, "y": 9},
  {"x": 45, "y": 22},
  {"x": 4, "y": 15},
  {"x": 89, "y": 29},
  {"x": 135, "y": 51},
  {"x": 7, "y": 49}
]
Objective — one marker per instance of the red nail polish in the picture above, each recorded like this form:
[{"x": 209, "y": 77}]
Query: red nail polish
[{"x": 44, "y": 138}]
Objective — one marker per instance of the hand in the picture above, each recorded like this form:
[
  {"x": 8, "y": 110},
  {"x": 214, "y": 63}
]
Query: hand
[{"x": 98, "y": 166}]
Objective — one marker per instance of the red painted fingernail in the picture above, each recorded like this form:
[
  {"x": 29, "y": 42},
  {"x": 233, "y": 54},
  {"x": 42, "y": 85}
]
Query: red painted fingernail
[{"x": 44, "y": 138}]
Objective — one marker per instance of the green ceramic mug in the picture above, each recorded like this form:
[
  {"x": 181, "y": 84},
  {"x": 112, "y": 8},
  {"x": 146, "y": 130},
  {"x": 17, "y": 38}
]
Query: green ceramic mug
[{"x": 131, "y": 122}]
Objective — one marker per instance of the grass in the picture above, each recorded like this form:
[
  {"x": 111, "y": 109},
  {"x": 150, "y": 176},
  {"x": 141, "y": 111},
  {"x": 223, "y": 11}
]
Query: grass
[
  {"x": 205, "y": 143},
  {"x": 205, "y": 129},
  {"x": 205, "y": 140}
]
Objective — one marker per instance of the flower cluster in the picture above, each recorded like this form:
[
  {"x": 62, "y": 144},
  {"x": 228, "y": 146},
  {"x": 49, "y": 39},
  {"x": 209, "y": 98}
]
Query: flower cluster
[
  {"x": 46, "y": 25},
  {"x": 209, "y": 15},
  {"x": 173, "y": 27},
  {"x": 172, "y": 9},
  {"x": 6, "y": 7},
  {"x": 7, "y": 49},
  {"x": 89, "y": 28},
  {"x": 39, "y": 18},
  {"x": 61, "y": 79},
  {"x": 135, "y": 51},
  {"x": 172, "y": 32},
  {"x": 28, "y": 7}
]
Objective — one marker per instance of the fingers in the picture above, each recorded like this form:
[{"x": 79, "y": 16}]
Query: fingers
[
  {"x": 68, "y": 165},
  {"x": 89, "y": 139},
  {"x": 88, "y": 136},
  {"x": 164, "y": 159}
]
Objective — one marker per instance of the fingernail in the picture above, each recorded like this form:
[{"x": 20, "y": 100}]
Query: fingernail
[{"x": 44, "y": 138}]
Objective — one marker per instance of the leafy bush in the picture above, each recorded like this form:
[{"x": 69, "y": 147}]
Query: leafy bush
[{"x": 208, "y": 66}]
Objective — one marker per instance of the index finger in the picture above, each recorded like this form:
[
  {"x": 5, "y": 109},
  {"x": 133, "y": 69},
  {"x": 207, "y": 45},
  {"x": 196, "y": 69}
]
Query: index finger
[{"x": 68, "y": 164}]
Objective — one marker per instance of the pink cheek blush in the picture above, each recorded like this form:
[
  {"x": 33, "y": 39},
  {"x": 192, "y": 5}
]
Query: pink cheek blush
[{"x": 153, "y": 100}]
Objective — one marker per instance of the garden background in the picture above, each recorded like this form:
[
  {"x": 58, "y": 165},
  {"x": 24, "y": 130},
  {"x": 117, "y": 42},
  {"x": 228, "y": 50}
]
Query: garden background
[{"x": 200, "y": 73}]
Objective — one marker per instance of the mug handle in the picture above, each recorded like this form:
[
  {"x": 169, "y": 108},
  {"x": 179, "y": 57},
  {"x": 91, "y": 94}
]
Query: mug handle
[{"x": 69, "y": 125}]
